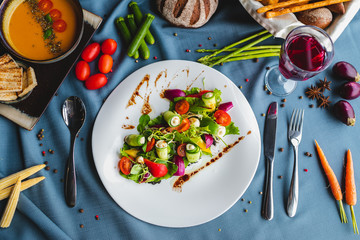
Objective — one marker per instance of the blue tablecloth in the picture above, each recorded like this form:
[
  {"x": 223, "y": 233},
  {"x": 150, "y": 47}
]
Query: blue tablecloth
[{"x": 43, "y": 214}]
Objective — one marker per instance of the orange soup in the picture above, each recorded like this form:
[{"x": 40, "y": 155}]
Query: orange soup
[{"x": 28, "y": 38}]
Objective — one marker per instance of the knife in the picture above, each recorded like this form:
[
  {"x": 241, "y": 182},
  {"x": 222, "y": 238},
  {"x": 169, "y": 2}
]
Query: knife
[{"x": 267, "y": 210}]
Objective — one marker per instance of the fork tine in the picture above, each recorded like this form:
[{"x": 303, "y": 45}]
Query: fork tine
[
  {"x": 298, "y": 119},
  {"x": 301, "y": 120},
  {"x": 292, "y": 120}
]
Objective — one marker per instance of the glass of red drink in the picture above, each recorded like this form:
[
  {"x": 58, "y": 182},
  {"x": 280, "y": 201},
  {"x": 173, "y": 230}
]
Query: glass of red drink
[{"x": 306, "y": 51}]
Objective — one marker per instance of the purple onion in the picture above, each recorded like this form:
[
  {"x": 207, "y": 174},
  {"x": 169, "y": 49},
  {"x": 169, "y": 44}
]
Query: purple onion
[
  {"x": 174, "y": 93},
  {"x": 226, "y": 106},
  {"x": 350, "y": 90},
  {"x": 346, "y": 70},
  {"x": 180, "y": 164},
  {"x": 345, "y": 112},
  {"x": 208, "y": 140},
  {"x": 146, "y": 176}
]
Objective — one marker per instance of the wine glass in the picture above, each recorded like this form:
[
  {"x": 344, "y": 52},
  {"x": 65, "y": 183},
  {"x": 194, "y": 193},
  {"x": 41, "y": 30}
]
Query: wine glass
[{"x": 306, "y": 51}]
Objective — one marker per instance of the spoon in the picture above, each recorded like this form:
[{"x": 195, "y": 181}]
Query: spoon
[{"x": 73, "y": 112}]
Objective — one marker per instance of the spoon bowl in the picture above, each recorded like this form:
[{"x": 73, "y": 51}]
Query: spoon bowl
[{"x": 73, "y": 112}]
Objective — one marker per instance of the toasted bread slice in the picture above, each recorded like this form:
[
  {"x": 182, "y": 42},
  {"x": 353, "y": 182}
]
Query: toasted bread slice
[
  {"x": 8, "y": 96},
  {"x": 6, "y": 62},
  {"x": 11, "y": 79},
  {"x": 29, "y": 81}
]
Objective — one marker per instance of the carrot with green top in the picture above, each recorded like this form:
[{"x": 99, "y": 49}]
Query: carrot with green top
[
  {"x": 350, "y": 188},
  {"x": 334, "y": 184}
]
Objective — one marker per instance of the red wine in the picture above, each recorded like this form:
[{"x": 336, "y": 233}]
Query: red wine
[{"x": 306, "y": 53}]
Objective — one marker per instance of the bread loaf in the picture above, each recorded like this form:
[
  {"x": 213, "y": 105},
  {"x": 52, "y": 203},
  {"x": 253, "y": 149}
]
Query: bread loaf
[
  {"x": 319, "y": 17},
  {"x": 187, "y": 13}
]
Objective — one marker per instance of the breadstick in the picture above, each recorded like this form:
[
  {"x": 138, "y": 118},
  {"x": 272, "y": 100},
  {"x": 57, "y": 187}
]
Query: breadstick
[
  {"x": 5, "y": 193},
  {"x": 280, "y": 5},
  {"x": 271, "y": 14},
  {"x": 10, "y": 180},
  {"x": 11, "y": 205}
]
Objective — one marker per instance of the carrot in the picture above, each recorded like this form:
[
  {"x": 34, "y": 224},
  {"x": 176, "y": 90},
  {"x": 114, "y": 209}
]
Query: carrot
[
  {"x": 334, "y": 184},
  {"x": 350, "y": 188}
]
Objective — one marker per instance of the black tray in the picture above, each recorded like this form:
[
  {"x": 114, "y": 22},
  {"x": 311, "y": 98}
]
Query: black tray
[{"x": 27, "y": 112}]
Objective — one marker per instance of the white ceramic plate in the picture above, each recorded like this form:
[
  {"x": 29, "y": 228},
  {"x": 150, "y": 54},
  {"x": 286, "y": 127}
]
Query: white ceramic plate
[{"x": 206, "y": 195}]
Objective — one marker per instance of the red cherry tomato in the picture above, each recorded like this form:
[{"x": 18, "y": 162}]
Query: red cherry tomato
[
  {"x": 59, "y": 25},
  {"x": 105, "y": 63},
  {"x": 95, "y": 81},
  {"x": 125, "y": 165},
  {"x": 91, "y": 52},
  {"x": 222, "y": 118},
  {"x": 109, "y": 46},
  {"x": 182, "y": 106},
  {"x": 181, "y": 150},
  {"x": 45, "y": 5},
  {"x": 82, "y": 70},
  {"x": 55, "y": 14}
]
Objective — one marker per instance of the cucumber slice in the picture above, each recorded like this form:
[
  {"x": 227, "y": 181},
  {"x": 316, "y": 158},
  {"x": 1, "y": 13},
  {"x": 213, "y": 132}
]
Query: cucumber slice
[
  {"x": 162, "y": 149},
  {"x": 172, "y": 118},
  {"x": 192, "y": 152},
  {"x": 209, "y": 100},
  {"x": 135, "y": 140}
]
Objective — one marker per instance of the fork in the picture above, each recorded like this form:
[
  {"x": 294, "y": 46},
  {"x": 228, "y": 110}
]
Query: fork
[{"x": 294, "y": 134}]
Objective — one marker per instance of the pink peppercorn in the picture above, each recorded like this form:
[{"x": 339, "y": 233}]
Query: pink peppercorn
[
  {"x": 246, "y": 80},
  {"x": 305, "y": 170}
]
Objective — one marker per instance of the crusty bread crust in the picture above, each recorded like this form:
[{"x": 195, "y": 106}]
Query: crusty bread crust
[{"x": 187, "y": 13}]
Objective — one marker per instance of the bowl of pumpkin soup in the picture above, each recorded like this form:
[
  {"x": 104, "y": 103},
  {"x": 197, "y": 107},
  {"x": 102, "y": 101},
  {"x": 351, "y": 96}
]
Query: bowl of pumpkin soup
[{"x": 41, "y": 31}]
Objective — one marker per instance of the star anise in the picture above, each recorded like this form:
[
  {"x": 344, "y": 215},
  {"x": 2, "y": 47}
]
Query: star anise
[
  {"x": 324, "y": 102},
  {"x": 324, "y": 84},
  {"x": 313, "y": 92}
]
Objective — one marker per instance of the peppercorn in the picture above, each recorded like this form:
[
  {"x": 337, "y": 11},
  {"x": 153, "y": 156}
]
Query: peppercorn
[
  {"x": 209, "y": 38},
  {"x": 267, "y": 68},
  {"x": 280, "y": 176},
  {"x": 47, "y": 168},
  {"x": 81, "y": 210},
  {"x": 281, "y": 149},
  {"x": 55, "y": 170},
  {"x": 81, "y": 225},
  {"x": 175, "y": 34},
  {"x": 311, "y": 105},
  {"x": 282, "y": 105},
  {"x": 300, "y": 97},
  {"x": 283, "y": 100}
]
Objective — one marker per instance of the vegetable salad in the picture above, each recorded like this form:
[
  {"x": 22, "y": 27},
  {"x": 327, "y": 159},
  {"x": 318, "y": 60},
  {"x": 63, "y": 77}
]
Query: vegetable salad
[{"x": 166, "y": 145}]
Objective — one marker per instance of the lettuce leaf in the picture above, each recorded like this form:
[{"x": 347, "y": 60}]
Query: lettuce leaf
[{"x": 232, "y": 129}]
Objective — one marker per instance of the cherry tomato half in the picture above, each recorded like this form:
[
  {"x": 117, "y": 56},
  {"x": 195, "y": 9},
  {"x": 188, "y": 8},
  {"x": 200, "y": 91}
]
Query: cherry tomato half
[
  {"x": 222, "y": 118},
  {"x": 59, "y": 25},
  {"x": 181, "y": 150},
  {"x": 125, "y": 165},
  {"x": 55, "y": 14},
  {"x": 182, "y": 106},
  {"x": 45, "y": 5},
  {"x": 109, "y": 46},
  {"x": 91, "y": 52},
  {"x": 82, "y": 70},
  {"x": 105, "y": 63},
  {"x": 150, "y": 145},
  {"x": 96, "y": 81}
]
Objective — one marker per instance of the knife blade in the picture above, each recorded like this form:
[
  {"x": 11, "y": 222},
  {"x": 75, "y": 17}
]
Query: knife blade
[{"x": 267, "y": 210}]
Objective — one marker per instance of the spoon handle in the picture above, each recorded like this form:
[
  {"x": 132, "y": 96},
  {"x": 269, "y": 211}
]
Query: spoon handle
[{"x": 70, "y": 176}]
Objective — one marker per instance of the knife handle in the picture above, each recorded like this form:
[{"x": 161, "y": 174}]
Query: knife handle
[{"x": 267, "y": 210}]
